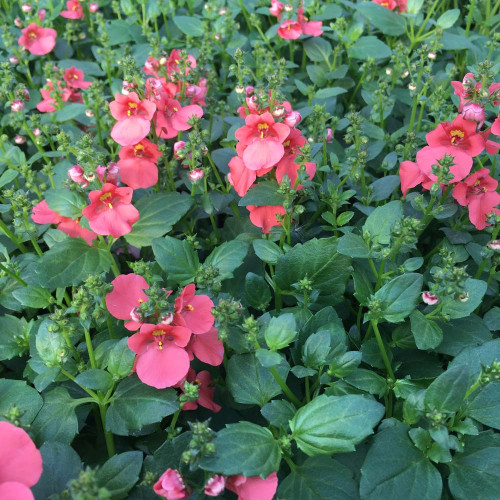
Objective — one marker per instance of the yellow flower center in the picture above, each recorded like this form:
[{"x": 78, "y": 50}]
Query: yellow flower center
[{"x": 456, "y": 135}]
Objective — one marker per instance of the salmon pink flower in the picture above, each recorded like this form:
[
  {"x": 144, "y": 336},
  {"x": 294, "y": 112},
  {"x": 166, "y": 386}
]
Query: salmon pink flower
[
  {"x": 241, "y": 177},
  {"x": 48, "y": 104},
  {"x": 125, "y": 298},
  {"x": 20, "y": 463},
  {"x": 138, "y": 164},
  {"x": 42, "y": 214},
  {"x": 93, "y": 7},
  {"x": 173, "y": 118},
  {"x": 478, "y": 193},
  {"x": 261, "y": 141},
  {"x": 171, "y": 486},
  {"x": 412, "y": 173},
  {"x": 17, "y": 105},
  {"x": 74, "y": 10},
  {"x": 194, "y": 311},
  {"x": 205, "y": 391},
  {"x": 460, "y": 133},
  {"x": 388, "y": 4},
  {"x": 402, "y": 5},
  {"x": 109, "y": 173},
  {"x": 495, "y": 127},
  {"x": 197, "y": 93},
  {"x": 161, "y": 359},
  {"x": 173, "y": 63},
  {"x": 265, "y": 216},
  {"x": 292, "y": 119},
  {"x": 290, "y": 30},
  {"x": 37, "y": 40},
  {"x": 215, "y": 485},
  {"x": 74, "y": 79},
  {"x": 276, "y": 8},
  {"x": 134, "y": 118},
  {"x": 207, "y": 347},
  {"x": 312, "y": 28},
  {"x": 253, "y": 488},
  {"x": 76, "y": 174},
  {"x": 110, "y": 210},
  {"x": 474, "y": 112}
]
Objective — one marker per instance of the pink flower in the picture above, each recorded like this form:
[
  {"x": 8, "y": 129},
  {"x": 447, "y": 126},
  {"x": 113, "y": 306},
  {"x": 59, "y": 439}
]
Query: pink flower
[
  {"x": 93, "y": 7},
  {"x": 161, "y": 359},
  {"x": 173, "y": 118},
  {"x": 197, "y": 94},
  {"x": 74, "y": 79},
  {"x": 26, "y": 8},
  {"x": 194, "y": 311},
  {"x": 412, "y": 174},
  {"x": 110, "y": 210},
  {"x": 196, "y": 175},
  {"x": 37, "y": 40},
  {"x": 138, "y": 164},
  {"x": 276, "y": 8},
  {"x": 205, "y": 391},
  {"x": 48, "y": 104},
  {"x": 388, "y": 4},
  {"x": 402, "y": 5},
  {"x": 42, "y": 214},
  {"x": 241, "y": 177},
  {"x": 109, "y": 173},
  {"x": 173, "y": 63},
  {"x": 460, "y": 133},
  {"x": 41, "y": 14},
  {"x": 429, "y": 298},
  {"x": 261, "y": 141},
  {"x": 207, "y": 347},
  {"x": 495, "y": 127},
  {"x": 74, "y": 10},
  {"x": 474, "y": 112},
  {"x": 75, "y": 173},
  {"x": 290, "y": 30},
  {"x": 253, "y": 488},
  {"x": 171, "y": 486},
  {"x": 20, "y": 463},
  {"x": 17, "y": 105},
  {"x": 215, "y": 485},
  {"x": 127, "y": 295},
  {"x": 134, "y": 118},
  {"x": 292, "y": 119},
  {"x": 312, "y": 28},
  {"x": 265, "y": 216},
  {"x": 478, "y": 193},
  {"x": 19, "y": 139},
  {"x": 179, "y": 146},
  {"x": 494, "y": 245}
]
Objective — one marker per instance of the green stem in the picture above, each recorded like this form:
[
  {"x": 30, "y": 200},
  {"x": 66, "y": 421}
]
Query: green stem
[
  {"x": 289, "y": 394},
  {"x": 469, "y": 17},
  {"x": 108, "y": 436},
  {"x": 13, "y": 275},
  {"x": 382, "y": 349},
  {"x": 12, "y": 236},
  {"x": 90, "y": 349}
]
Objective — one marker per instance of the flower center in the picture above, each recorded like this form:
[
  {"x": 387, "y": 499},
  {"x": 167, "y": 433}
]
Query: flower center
[
  {"x": 456, "y": 136},
  {"x": 104, "y": 197},
  {"x": 262, "y": 127},
  {"x": 189, "y": 307},
  {"x": 138, "y": 150},
  {"x": 133, "y": 108},
  {"x": 32, "y": 35}
]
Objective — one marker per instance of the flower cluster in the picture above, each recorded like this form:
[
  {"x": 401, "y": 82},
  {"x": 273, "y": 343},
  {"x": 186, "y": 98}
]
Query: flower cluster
[
  {"x": 291, "y": 29},
  {"x": 168, "y": 338},
  {"x": 448, "y": 157},
  {"x": 172, "y": 486}
]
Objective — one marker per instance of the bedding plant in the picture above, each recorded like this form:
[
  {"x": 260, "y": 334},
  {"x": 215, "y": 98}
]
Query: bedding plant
[{"x": 250, "y": 250}]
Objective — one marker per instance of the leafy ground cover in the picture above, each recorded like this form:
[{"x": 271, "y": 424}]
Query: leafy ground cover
[{"x": 250, "y": 250}]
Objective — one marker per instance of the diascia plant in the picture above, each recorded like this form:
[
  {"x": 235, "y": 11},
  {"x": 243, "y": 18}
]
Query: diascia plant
[{"x": 250, "y": 250}]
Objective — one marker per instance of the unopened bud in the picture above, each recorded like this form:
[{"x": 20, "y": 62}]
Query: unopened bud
[
  {"x": 37, "y": 132},
  {"x": 494, "y": 245},
  {"x": 222, "y": 12},
  {"x": 405, "y": 73},
  {"x": 19, "y": 139},
  {"x": 89, "y": 113},
  {"x": 430, "y": 299},
  {"x": 13, "y": 60},
  {"x": 17, "y": 105},
  {"x": 288, "y": 8},
  {"x": 388, "y": 71},
  {"x": 196, "y": 175},
  {"x": 412, "y": 86},
  {"x": 26, "y": 8},
  {"x": 431, "y": 56},
  {"x": 93, "y": 7}
]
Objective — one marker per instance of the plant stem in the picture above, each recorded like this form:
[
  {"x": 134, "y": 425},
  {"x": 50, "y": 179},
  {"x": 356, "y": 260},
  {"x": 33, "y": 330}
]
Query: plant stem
[
  {"x": 108, "y": 436},
  {"x": 383, "y": 352},
  {"x": 90, "y": 349},
  {"x": 289, "y": 394},
  {"x": 13, "y": 275}
]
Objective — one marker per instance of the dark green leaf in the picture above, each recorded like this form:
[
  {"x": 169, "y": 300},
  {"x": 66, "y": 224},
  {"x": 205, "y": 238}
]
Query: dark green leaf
[
  {"x": 380, "y": 222},
  {"x": 191, "y": 26},
  {"x": 257, "y": 291},
  {"x": 121, "y": 359},
  {"x": 426, "y": 332},
  {"x": 177, "y": 258},
  {"x": 280, "y": 331},
  {"x": 485, "y": 405},
  {"x": 120, "y": 473},
  {"x": 369, "y": 46},
  {"x": 264, "y": 193},
  {"x": 99, "y": 380},
  {"x": 447, "y": 392},
  {"x": 278, "y": 412},
  {"x": 267, "y": 251},
  {"x": 16, "y": 393},
  {"x": 227, "y": 257},
  {"x": 387, "y": 21},
  {"x": 353, "y": 246}
]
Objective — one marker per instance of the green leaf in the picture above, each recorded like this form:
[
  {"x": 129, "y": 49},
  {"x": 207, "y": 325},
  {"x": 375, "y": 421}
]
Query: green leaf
[
  {"x": 353, "y": 246},
  {"x": 119, "y": 474},
  {"x": 70, "y": 111},
  {"x": 121, "y": 359},
  {"x": 158, "y": 213},
  {"x": 369, "y": 46},
  {"x": 321, "y": 263},
  {"x": 249, "y": 382},
  {"x": 316, "y": 349},
  {"x": 280, "y": 331},
  {"x": 491, "y": 318},
  {"x": 88, "y": 67},
  {"x": 329, "y": 92},
  {"x": 177, "y": 258},
  {"x": 319, "y": 478},
  {"x": 414, "y": 6},
  {"x": 227, "y": 257},
  {"x": 61, "y": 463},
  {"x": 191, "y": 26},
  {"x": 57, "y": 419},
  {"x": 447, "y": 392},
  {"x": 394, "y": 468},
  {"x": 380, "y": 222},
  {"x": 267, "y": 251},
  {"x": 11, "y": 329},
  {"x": 135, "y": 405},
  {"x": 318, "y": 49},
  {"x": 278, "y": 412},
  {"x": 457, "y": 309},
  {"x": 368, "y": 381},
  {"x": 387, "y": 21},
  {"x": 268, "y": 358},
  {"x": 65, "y": 202},
  {"x": 264, "y": 193},
  {"x": 485, "y": 405},
  {"x": 399, "y": 297},
  {"x": 99, "y": 380},
  {"x": 50, "y": 345},
  {"x": 475, "y": 473},
  {"x": 16, "y": 393},
  {"x": 335, "y": 424},
  {"x": 448, "y": 19},
  {"x": 7, "y": 177},
  {"x": 426, "y": 332},
  {"x": 459, "y": 334},
  {"x": 71, "y": 261},
  {"x": 33, "y": 296},
  {"x": 257, "y": 291},
  {"x": 244, "y": 448}
]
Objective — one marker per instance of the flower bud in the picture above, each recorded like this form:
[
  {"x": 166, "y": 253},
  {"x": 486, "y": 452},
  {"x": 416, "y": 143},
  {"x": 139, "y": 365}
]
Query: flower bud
[
  {"x": 288, "y": 8},
  {"x": 75, "y": 173},
  {"x": 405, "y": 73},
  {"x": 26, "y": 94},
  {"x": 93, "y": 7},
  {"x": 217, "y": 36},
  {"x": 179, "y": 147},
  {"x": 412, "y": 86},
  {"x": 249, "y": 90},
  {"x": 494, "y": 245},
  {"x": 135, "y": 315},
  {"x": 89, "y": 113},
  {"x": 215, "y": 485},
  {"x": 26, "y": 8},
  {"x": 473, "y": 112},
  {"x": 292, "y": 119},
  {"x": 163, "y": 60},
  {"x": 196, "y": 174},
  {"x": 222, "y": 12},
  {"x": 167, "y": 319},
  {"x": 18, "y": 22},
  {"x": 431, "y": 56},
  {"x": 430, "y": 299},
  {"x": 329, "y": 135},
  {"x": 17, "y": 105},
  {"x": 13, "y": 60},
  {"x": 112, "y": 172},
  {"x": 388, "y": 71},
  {"x": 464, "y": 297},
  {"x": 239, "y": 89},
  {"x": 41, "y": 14},
  {"x": 19, "y": 139},
  {"x": 37, "y": 132},
  {"x": 278, "y": 111}
]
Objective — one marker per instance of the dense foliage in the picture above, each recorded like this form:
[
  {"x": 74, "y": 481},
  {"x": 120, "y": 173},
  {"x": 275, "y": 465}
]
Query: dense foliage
[{"x": 250, "y": 249}]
